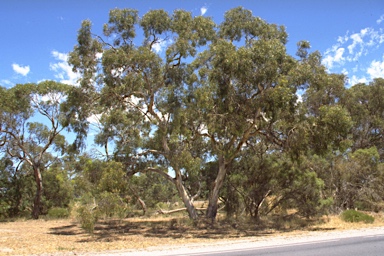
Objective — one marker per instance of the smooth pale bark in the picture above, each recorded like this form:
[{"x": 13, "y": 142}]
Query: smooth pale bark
[
  {"x": 216, "y": 187},
  {"x": 141, "y": 201},
  {"x": 180, "y": 187},
  {"x": 185, "y": 197},
  {"x": 39, "y": 192},
  {"x": 161, "y": 211},
  {"x": 187, "y": 200}
]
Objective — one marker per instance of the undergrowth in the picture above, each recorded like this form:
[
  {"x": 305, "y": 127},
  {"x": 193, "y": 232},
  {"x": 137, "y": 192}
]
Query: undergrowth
[{"x": 356, "y": 216}]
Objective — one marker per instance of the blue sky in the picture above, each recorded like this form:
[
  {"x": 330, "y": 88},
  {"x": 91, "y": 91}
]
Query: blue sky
[{"x": 38, "y": 34}]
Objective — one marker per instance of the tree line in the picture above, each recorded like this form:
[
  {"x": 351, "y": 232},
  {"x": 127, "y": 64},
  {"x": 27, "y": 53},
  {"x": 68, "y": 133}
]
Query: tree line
[{"x": 220, "y": 113}]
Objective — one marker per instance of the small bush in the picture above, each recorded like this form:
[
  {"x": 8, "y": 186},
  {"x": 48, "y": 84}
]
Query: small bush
[
  {"x": 355, "y": 216},
  {"x": 87, "y": 218},
  {"x": 58, "y": 213},
  {"x": 112, "y": 205}
]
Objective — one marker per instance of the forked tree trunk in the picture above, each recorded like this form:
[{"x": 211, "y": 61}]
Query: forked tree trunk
[
  {"x": 185, "y": 197},
  {"x": 215, "y": 190},
  {"x": 39, "y": 191}
]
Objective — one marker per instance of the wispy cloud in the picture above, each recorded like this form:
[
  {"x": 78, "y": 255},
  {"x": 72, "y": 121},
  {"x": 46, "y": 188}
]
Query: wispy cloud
[
  {"x": 5, "y": 82},
  {"x": 203, "y": 10},
  {"x": 358, "y": 44},
  {"x": 376, "y": 69},
  {"x": 355, "y": 54},
  {"x": 356, "y": 80},
  {"x": 379, "y": 20},
  {"x": 63, "y": 71},
  {"x": 333, "y": 56},
  {"x": 22, "y": 70}
]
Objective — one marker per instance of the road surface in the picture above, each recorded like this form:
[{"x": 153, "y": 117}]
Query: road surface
[
  {"x": 356, "y": 246},
  {"x": 367, "y": 242}
]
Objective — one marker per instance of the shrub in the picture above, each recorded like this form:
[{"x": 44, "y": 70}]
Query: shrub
[
  {"x": 356, "y": 216},
  {"x": 87, "y": 217},
  {"x": 58, "y": 213},
  {"x": 112, "y": 205}
]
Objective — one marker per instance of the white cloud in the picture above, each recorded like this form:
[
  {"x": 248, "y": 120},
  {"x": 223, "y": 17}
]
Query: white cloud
[
  {"x": 339, "y": 55},
  {"x": 364, "y": 41},
  {"x": 63, "y": 70},
  {"x": 380, "y": 19},
  {"x": 60, "y": 56},
  {"x": 376, "y": 69},
  {"x": 358, "y": 45},
  {"x": 356, "y": 39},
  {"x": 5, "y": 82},
  {"x": 355, "y": 54},
  {"x": 343, "y": 39},
  {"x": 22, "y": 70},
  {"x": 333, "y": 56},
  {"x": 94, "y": 119},
  {"x": 356, "y": 80},
  {"x": 159, "y": 46},
  {"x": 203, "y": 10}
]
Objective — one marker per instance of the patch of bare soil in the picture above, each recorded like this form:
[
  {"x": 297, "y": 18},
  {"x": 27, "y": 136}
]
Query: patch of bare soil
[{"x": 41, "y": 237}]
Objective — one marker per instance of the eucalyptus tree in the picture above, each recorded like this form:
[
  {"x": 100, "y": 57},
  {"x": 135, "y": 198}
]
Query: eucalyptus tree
[
  {"x": 355, "y": 177},
  {"x": 141, "y": 89},
  {"x": 366, "y": 106},
  {"x": 190, "y": 90},
  {"x": 245, "y": 90},
  {"x": 31, "y": 121},
  {"x": 16, "y": 188}
]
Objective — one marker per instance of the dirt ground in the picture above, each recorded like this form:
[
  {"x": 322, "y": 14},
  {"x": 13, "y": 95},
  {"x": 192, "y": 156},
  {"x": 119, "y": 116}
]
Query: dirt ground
[{"x": 47, "y": 237}]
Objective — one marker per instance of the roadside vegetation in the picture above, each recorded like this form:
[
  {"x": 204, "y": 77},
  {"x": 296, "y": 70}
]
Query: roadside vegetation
[
  {"x": 49, "y": 236},
  {"x": 222, "y": 131}
]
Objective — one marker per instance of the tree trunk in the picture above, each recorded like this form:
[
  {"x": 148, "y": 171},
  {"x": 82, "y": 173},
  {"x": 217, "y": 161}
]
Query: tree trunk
[
  {"x": 143, "y": 205},
  {"x": 214, "y": 195},
  {"x": 141, "y": 201},
  {"x": 185, "y": 197},
  {"x": 39, "y": 191}
]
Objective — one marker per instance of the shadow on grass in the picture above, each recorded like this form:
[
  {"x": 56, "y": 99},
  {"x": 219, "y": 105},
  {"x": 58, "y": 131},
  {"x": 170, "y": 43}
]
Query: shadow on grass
[
  {"x": 115, "y": 230},
  {"x": 67, "y": 230}
]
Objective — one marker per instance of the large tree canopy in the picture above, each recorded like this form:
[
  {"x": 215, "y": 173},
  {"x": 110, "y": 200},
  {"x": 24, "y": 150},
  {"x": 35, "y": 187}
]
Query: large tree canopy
[
  {"x": 186, "y": 91},
  {"x": 31, "y": 121},
  {"x": 192, "y": 109}
]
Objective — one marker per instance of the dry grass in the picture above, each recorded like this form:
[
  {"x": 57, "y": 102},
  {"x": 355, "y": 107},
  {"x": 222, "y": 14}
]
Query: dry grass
[{"x": 64, "y": 236}]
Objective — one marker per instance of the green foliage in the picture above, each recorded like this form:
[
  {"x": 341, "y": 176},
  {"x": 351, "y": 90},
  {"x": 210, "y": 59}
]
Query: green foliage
[
  {"x": 58, "y": 213},
  {"x": 217, "y": 107},
  {"x": 261, "y": 183},
  {"x": 356, "y": 216},
  {"x": 27, "y": 141},
  {"x": 87, "y": 217},
  {"x": 359, "y": 180},
  {"x": 153, "y": 189},
  {"x": 112, "y": 205},
  {"x": 58, "y": 189},
  {"x": 16, "y": 188},
  {"x": 364, "y": 102}
]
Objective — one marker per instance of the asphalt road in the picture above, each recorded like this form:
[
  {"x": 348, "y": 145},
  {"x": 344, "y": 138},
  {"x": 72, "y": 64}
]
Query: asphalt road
[
  {"x": 361, "y": 242},
  {"x": 355, "y": 246}
]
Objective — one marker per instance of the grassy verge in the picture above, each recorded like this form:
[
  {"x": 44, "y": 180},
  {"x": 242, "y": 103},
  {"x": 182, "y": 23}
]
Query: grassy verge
[{"x": 24, "y": 237}]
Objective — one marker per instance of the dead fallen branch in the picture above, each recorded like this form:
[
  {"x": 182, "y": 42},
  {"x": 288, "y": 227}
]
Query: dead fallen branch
[{"x": 161, "y": 211}]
